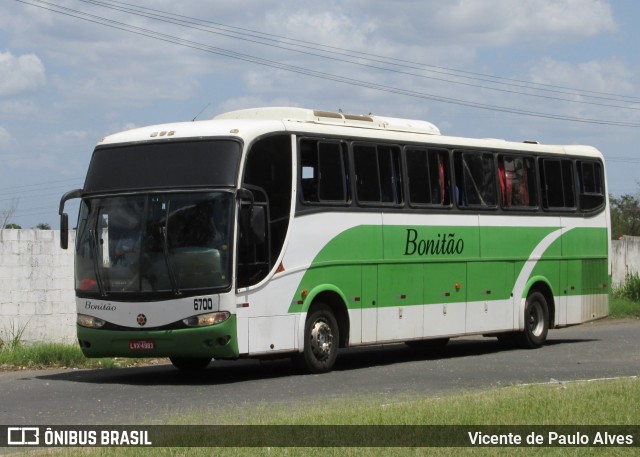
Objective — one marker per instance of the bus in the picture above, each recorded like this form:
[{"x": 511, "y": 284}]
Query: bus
[{"x": 291, "y": 232}]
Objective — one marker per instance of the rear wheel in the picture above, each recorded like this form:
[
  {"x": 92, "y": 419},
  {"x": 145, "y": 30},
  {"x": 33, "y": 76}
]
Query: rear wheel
[
  {"x": 321, "y": 336},
  {"x": 190, "y": 363},
  {"x": 536, "y": 321}
]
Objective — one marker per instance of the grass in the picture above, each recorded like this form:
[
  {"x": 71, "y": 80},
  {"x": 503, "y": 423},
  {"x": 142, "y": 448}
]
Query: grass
[
  {"x": 625, "y": 299},
  {"x": 630, "y": 290},
  {"x": 578, "y": 403},
  {"x": 623, "y": 308},
  {"x": 19, "y": 356},
  {"x": 570, "y": 403},
  {"x": 13, "y": 340}
]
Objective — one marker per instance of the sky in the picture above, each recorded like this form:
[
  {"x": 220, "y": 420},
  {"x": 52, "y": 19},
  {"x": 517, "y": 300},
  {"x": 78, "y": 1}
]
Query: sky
[{"x": 74, "y": 71}]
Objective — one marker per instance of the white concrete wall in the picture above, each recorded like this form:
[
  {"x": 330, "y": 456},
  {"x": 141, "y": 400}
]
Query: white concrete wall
[
  {"x": 625, "y": 258},
  {"x": 36, "y": 286},
  {"x": 36, "y": 283}
]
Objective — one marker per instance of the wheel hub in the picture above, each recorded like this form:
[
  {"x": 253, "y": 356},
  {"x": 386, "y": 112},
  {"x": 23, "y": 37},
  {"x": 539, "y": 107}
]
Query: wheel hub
[
  {"x": 536, "y": 320},
  {"x": 321, "y": 339}
]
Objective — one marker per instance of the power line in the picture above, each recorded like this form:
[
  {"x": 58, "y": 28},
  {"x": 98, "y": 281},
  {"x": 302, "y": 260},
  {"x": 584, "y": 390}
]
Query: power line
[
  {"x": 623, "y": 160},
  {"x": 351, "y": 53},
  {"x": 24, "y": 195},
  {"x": 41, "y": 184},
  {"x": 308, "y": 72},
  {"x": 42, "y": 192},
  {"x": 190, "y": 22}
]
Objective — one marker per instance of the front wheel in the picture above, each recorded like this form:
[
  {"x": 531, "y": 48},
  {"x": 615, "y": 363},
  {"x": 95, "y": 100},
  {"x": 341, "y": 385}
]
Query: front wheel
[
  {"x": 321, "y": 336},
  {"x": 536, "y": 321},
  {"x": 190, "y": 363}
]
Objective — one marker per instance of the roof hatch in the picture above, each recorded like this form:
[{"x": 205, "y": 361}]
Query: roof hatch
[{"x": 334, "y": 118}]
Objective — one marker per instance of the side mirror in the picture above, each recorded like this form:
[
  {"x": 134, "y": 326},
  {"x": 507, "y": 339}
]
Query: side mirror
[
  {"x": 258, "y": 223},
  {"x": 64, "y": 230},
  {"x": 253, "y": 218},
  {"x": 64, "y": 217}
]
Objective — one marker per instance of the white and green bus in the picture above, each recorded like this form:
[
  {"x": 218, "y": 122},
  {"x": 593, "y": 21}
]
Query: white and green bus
[{"x": 288, "y": 232}]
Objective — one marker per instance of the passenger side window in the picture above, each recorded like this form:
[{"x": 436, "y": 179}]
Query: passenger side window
[
  {"x": 323, "y": 172},
  {"x": 517, "y": 180},
  {"x": 475, "y": 180},
  {"x": 558, "y": 192},
  {"x": 590, "y": 185},
  {"x": 377, "y": 170},
  {"x": 428, "y": 177}
]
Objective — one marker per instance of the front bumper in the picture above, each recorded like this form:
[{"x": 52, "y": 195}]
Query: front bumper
[{"x": 217, "y": 341}]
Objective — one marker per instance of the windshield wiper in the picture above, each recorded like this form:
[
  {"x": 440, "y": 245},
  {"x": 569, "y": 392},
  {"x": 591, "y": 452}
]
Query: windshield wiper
[
  {"x": 165, "y": 250},
  {"x": 96, "y": 265}
]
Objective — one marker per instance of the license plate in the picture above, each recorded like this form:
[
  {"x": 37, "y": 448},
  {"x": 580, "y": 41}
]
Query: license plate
[{"x": 142, "y": 345}]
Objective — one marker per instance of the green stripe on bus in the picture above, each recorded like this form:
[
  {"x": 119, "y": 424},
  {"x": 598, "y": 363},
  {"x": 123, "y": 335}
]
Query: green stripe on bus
[{"x": 426, "y": 265}]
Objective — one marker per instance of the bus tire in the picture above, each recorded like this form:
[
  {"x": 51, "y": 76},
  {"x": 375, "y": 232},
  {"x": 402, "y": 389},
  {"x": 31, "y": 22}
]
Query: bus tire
[
  {"x": 536, "y": 321},
  {"x": 190, "y": 363},
  {"x": 321, "y": 337}
]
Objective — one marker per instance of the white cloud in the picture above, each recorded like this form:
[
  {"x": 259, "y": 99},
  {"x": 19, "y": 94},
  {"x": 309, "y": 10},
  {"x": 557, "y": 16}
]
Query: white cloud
[
  {"x": 611, "y": 76},
  {"x": 508, "y": 22},
  {"x": 17, "y": 109},
  {"x": 251, "y": 101},
  {"x": 578, "y": 18},
  {"x": 607, "y": 88},
  {"x": 5, "y": 137},
  {"x": 74, "y": 135},
  {"x": 122, "y": 81},
  {"x": 451, "y": 30},
  {"x": 331, "y": 28},
  {"x": 20, "y": 74}
]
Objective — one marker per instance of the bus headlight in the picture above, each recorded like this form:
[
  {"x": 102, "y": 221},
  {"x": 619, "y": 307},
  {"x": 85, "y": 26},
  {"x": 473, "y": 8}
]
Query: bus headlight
[
  {"x": 202, "y": 320},
  {"x": 89, "y": 321}
]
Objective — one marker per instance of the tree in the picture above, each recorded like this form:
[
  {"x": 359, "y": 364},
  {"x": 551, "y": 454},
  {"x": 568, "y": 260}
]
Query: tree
[
  {"x": 7, "y": 214},
  {"x": 12, "y": 226},
  {"x": 43, "y": 226},
  {"x": 625, "y": 216}
]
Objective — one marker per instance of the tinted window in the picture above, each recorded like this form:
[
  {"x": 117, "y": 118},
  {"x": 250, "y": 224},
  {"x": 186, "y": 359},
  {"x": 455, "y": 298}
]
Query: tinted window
[
  {"x": 377, "y": 170},
  {"x": 590, "y": 185},
  {"x": 367, "y": 173},
  {"x": 517, "y": 180},
  {"x": 557, "y": 184},
  {"x": 268, "y": 174},
  {"x": 428, "y": 177},
  {"x": 475, "y": 179},
  {"x": 323, "y": 172},
  {"x": 163, "y": 165}
]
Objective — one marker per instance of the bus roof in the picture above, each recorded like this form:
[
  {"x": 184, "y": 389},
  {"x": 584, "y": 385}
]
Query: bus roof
[
  {"x": 303, "y": 115},
  {"x": 250, "y": 123}
]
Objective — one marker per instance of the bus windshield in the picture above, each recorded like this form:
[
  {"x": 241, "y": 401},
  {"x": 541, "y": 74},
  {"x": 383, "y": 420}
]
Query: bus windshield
[{"x": 154, "y": 244}]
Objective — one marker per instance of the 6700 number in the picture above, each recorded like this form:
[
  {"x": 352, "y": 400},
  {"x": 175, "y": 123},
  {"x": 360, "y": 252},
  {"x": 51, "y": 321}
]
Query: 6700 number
[{"x": 200, "y": 304}]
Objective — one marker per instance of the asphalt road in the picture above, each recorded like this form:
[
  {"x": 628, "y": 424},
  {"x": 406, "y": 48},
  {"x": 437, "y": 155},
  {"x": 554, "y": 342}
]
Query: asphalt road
[{"x": 609, "y": 348}]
